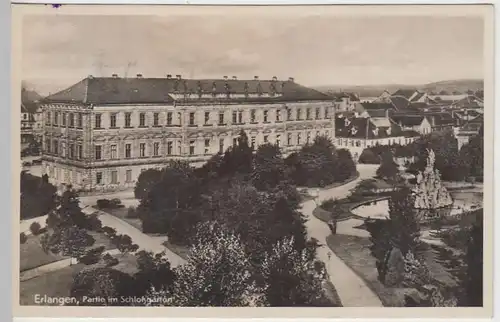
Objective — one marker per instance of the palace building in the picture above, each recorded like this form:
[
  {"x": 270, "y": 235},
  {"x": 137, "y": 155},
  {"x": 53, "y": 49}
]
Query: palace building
[{"x": 99, "y": 134}]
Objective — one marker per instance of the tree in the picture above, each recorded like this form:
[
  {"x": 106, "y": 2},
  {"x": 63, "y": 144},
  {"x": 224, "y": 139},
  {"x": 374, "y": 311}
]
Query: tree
[
  {"x": 38, "y": 196},
  {"x": 404, "y": 224},
  {"x": 268, "y": 168},
  {"x": 368, "y": 157},
  {"x": 473, "y": 281},
  {"x": 92, "y": 256},
  {"x": 69, "y": 241},
  {"x": 110, "y": 286},
  {"x": 154, "y": 272},
  {"x": 217, "y": 273},
  {"x": 23, "y": 238},
  {"x": 124, "y": 244},
  {"x": 35, "y": 228},
  {"x": 170, "y": 204},
  {"x": 346, "y": 168},
  {"x": 388, "y": 169},
  {"x": 472, "y": 154},
  {"x": 291, "y": 277},
  {"x": 380, "y": 236},
  {"x": 238, "y": 158},
  {"x": 146, "y": 181}
]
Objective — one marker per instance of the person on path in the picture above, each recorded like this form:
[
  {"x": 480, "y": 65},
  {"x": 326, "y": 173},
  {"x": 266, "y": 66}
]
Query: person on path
[{"x": 329, "y": 255}]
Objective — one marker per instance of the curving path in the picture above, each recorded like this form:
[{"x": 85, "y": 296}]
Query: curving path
[{"x": 351, "y": 289}]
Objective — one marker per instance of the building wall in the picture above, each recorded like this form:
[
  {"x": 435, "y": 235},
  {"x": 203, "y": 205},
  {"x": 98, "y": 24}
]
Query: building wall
[
  {"x": 356, "y": 146},
  {"x": 99, "y": 156}
]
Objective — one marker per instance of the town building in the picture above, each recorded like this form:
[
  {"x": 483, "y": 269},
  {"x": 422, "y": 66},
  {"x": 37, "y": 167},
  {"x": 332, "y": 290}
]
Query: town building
[
  {"x": 31, "y": 118},
  {"x": 100, "y": 133},
  {"x": 417, "y": 123},
  {"x": 470, "y": 129}
]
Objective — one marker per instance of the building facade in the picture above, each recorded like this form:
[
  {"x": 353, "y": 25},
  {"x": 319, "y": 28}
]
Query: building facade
[{"x": 101, "y": 133}]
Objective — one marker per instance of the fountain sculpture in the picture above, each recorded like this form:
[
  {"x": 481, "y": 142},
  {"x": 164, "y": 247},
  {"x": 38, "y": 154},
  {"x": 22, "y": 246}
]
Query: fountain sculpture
[{"x": 429, "y": 192}]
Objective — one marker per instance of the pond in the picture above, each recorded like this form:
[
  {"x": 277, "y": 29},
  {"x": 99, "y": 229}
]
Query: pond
[{"x": 462, "y": 201}]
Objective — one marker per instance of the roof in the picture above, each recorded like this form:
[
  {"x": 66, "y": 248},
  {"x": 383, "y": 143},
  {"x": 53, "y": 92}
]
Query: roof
[
  {"x": 381, "y": 122},
  {"x": 441, "y": 118},
  {"x": 408, "y": 120},
  {"x": 473, "y": 125},
  {"x": 377, "y": 106},
  {"x": 400, "y": 102},
  {"x": 406, "y": 93},
  {"x": 114, "y": 90},
  {"x": 470, "y": 101},
  {"x": 364, "y": 128},
  {"x": 376, "y": 113},
  {"x": 417, "y": 96},
  {"x": 418, "y": 105}
]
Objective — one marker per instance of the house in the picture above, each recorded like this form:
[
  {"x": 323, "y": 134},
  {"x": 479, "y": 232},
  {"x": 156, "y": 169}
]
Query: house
[
  {"x": 367, "y": 108},
  {"x": 417, "y": 123},
  {"x": 358, "y": 133},
  {"x": 403, "y": 98},
  {"x": 470, "y": 129},
  {"x": 31, "y": 117},
  {"x": 468, "y": 102},
  {"x": 346, "y": 101}
]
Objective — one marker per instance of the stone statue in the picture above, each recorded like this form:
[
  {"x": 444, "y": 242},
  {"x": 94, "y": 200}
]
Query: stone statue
[{"x": 429, "y": 192}]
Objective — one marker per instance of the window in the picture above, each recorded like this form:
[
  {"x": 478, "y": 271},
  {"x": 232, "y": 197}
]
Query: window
[
  {"x": 128, "y": 119},
  {"x": 25, "y": 116},
  {"x": 156, "y": 149},
  {"x": 80, "y": 120},
  {"x": 289, "y": 139},
  {"x": 278, "y": 140},
  {"x": 317, "y": 113},
  {"x": 114, "y": 177},
  {"x": 128, "y": 176},
  {"x": 266, "y": 138},
  {"x": 240, "y": 117},
  {"x": 317, "y": 133},
  {"x": 47, "y": 146},
  {"x": 179, "y": 147},
  {"x": 79, "y": 154},
  {"x": 98, "y": 178},
  {"x": 112, "y": 120},
  {"x": 56, "y": 118},
  {"x": 299, "y": 114},
  {"x": 142, "y": 119},
  {"x": 98, "y": 152},
  {"x": 308, "y": 138},
  {"x": 235, "y": 117},
  {"x": 169, "y": 118},
  {"x": 191, "y": 147},
  {"x": 221, "y": 145},
  {"x": 156, "y": 119},
  {"x": 289, "y": 114},
  {"x": 56, "y": 147},
  {"x": 98, "y": 121},
  {"x": 71, "y": 150},
  {"x": 170, "y": 146},
  {"x": 278, "y": 115},
  {"x": 308, "y": 114},
  {"x": 63, "y": 150},
  {"x": 47, "y": 120},
  {"x": 71, "y": 120},
  {"x": 235, "y": 141},
  {"x": 114, "y": 154},
  {"x": 326, "y": 112},
  {"x": 299, "y": 139},
  {"x": 191, "y": 118},
  {"x": 142, "y": 150},
  {"x": 266, "y": 113},
  {"x": 64, "y": 119},
  {"x": 207, "y": 145},
  {"x": 253, "y": 142},
  {"x": 221, "y": 118},
  {"x": 207, "y": 117},
  {"x": 128, "y": 150}
]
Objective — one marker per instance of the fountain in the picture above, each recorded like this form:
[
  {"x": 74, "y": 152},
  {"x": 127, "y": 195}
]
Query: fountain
[{"x": 429, "y": 193}]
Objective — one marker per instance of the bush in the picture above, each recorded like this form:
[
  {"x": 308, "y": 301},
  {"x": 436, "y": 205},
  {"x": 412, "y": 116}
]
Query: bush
[
  {"x": 110, "y": 260},
  {"x": 35, "y": 228},
  {"x": 92, "y": 256},
  {"x": 103, "y": 203},
  {"x": 132, "y": 212},
  {"x": 108, "y": 231},
  {"x": 23, "y": 238}
]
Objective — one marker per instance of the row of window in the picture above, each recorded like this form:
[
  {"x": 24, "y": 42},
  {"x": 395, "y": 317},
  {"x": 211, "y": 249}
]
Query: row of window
[
  {"x": 113, "y": 177},
  {"x": 75, "y": 151},
  {"x": 69, "y": 119},
  {"x": 358, "y": 143}
]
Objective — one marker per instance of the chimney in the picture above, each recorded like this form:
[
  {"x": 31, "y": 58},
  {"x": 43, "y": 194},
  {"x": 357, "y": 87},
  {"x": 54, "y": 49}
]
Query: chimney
[
  {"x": 139, "y": 75},
  {"x": 256, "y": 77},
  {"x": 114, "y": 75},
  {"x": 235, "y": 78},
  {"x": 90, "y": 76},
  {"x": 275, "y": 78},
  {"x": 179, "y": 77},
  {"x": 291, "y": 79},
  {"x": 225, "y": 77},
  {"x": 169, "y": 76}
]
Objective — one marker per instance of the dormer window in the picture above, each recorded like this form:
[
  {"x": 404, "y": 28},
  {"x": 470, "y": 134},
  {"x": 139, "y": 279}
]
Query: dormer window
[
  {"x": 214, "y": 89},
  {"x": 347, "y": 122},
  {"x": 273, "y": 89},
  {"x": 245, "y": 88},
  {"x": 176, "y": 86},
  {"x": 199, "y": 89},
  {"x": 354, "y": 130},
  {"x": 259, "y": 89},
  {"x": 375, "y": 131},
  {"x": 227, "y": 88}
]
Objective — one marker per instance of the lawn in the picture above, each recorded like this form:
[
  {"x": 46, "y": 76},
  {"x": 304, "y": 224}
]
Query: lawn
[
  {"x": 122, "y": 214},
  {"x": 32, "y": 254},
  {"x": 355, "y": 252},
  {"x": 182, "y": 251},
  {"x": 342, "y": 207},
  {"x": 53, "y": 284}
]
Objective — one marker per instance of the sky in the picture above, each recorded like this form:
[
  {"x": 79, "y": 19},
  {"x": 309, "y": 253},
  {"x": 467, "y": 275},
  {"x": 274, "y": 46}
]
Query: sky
[{"x": 60, "y": 50}]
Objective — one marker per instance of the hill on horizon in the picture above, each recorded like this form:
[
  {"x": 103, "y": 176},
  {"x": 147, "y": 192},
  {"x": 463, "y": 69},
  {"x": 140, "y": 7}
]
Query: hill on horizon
[{"x": 450, "y": 86}]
